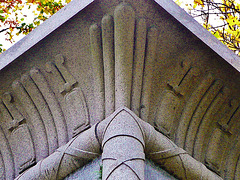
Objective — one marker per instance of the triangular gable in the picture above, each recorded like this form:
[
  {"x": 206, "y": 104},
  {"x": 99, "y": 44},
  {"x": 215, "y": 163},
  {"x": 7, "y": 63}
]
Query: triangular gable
[
  {"x": 74, "y": 7},
  {"x": 115, "y": 55}
]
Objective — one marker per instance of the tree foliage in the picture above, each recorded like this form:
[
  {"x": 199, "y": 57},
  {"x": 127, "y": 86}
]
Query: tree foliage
[
  {"x": 14, "y": 15},
  {"x": 220, "y": 17}
]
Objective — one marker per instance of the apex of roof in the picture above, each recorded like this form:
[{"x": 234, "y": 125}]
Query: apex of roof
[{"x": 77, "y": 5}]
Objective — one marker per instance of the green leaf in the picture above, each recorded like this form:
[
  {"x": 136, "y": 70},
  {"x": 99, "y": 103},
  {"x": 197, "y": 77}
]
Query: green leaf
[
  {"x": 2, "y": 18},
  {"x": 30, "y": 25},
  {"x": 217, "y": 35}
]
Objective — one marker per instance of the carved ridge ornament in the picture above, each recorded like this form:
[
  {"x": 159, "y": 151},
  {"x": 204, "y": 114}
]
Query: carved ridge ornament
[{"x": 124, "y": 140}]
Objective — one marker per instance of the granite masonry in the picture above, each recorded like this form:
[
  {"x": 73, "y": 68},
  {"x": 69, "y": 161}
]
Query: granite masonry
[{"x": 124, "y": 81}]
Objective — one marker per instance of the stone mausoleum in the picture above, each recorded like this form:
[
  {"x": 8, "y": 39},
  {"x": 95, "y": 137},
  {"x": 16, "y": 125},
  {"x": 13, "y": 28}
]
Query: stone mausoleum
[{"x": 121, "y": 90}]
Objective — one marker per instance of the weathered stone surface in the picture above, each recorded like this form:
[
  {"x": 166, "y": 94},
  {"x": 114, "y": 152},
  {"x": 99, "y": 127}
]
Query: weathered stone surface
[
  {"x": 123, "y": 137},
  {"x": 92, "y": 172},
  {"x": 124, "y": 23},
  {"x": 112, "y": 54},
  {"x": 109, "y": 63}
]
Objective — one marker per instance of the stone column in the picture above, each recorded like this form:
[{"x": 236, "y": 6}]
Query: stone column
[{"x": 123, "y": 147}]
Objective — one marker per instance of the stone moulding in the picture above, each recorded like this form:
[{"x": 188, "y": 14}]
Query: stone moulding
[{"x": 124, "y": 140}]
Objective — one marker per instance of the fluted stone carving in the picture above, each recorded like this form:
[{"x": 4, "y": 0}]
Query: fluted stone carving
[
  {"x": 123, "y": 52},
  {"x": 53, "y": 105}
]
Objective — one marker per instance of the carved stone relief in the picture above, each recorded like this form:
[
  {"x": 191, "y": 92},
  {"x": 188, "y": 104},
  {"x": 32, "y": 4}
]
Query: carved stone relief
[
  {"x": 44, "y": 116},
  {"x": 178, "y": 86},
  {"x": 196, "y": 110},
  {"x": 39, "y": 136},
  {"x": 73, "y": 95},
  {"x": 123, "y": 52},
  {"x": 77, "y": 107},
  {"x": 19, "y": 132},
  {"x": 122, "y": 129},
  {"x": 53, "y": 105}
]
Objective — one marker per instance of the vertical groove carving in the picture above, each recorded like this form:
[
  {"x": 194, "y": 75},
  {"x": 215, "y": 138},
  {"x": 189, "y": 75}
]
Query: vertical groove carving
[
  {"x": 183, "y": 80},
  {"x": 199, "y": 114},
  {"x": 230, "y": 129},
  {"x": 180, "y": 83},
  {"x": 74, "y": 98},
  {"x": 237, "y": 170},
  {"x": 231, "y": 168},
  {"x": 124, "y": 24},
  {"x": 138, "y": 64},
  {"x": 148, "y": 70},
  {"x": 207, "y": 125},
  {"x": 183, "y": 69},
  {"x": 51, "y": 68},
  {"x": 190, "y": 108},
  {"x": 5, "y": 150},
  {"x": 109, "y": 63},
  {"x": 43, "y": 110},
  {"x": 65, "y": 80},
  {"x": 230, "y": 109},
  {"x": 223, "y": 137},
  {"x": 216, "y": 147},
  {"x": 20, "y": 139},
  {"x": 39, "y": 134},
  {"x": 2, "y": 168},
  {"x": 97, "y": 64},
  {"x": 7, "y": 156},
  {"x": 53, "y": 105}
]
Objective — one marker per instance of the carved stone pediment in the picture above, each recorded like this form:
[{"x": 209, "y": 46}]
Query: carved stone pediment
[{"x": 126, "y": 81}]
